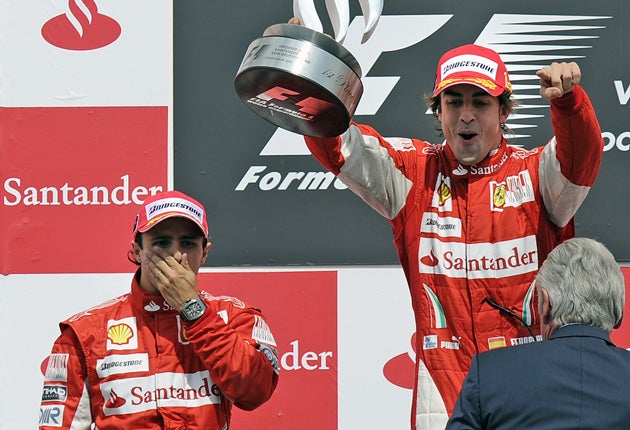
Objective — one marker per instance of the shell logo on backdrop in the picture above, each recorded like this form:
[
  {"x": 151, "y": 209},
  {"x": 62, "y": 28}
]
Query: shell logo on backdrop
[{"x": 81, "y": 28}]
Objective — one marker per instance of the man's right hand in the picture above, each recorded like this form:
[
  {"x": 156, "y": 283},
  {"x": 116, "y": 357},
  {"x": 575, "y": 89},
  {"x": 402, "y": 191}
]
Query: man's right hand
[{"x": 558, "y": 79}]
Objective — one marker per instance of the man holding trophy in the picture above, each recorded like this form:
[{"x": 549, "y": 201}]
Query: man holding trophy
[{"x": 473, "y": 218}]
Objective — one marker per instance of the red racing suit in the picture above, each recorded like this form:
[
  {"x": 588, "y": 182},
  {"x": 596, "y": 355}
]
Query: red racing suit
[
  {"x": 469, "y": 234},
  {"x": 133, "y": 363}
]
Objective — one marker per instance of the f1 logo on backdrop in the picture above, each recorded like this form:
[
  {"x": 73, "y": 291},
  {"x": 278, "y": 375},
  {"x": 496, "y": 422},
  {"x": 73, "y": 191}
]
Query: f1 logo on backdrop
[
  {"x": 81, "y": 27},
  {"x": 520, "y": 39}
]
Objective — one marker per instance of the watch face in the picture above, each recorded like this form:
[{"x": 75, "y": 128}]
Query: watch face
[{"x": 193, "y": 310}]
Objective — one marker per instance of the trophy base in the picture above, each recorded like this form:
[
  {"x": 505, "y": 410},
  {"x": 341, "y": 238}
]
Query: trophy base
[{"x": 300, "y": 80}]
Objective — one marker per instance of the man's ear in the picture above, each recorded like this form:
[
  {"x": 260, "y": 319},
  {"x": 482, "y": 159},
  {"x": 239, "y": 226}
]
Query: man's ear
[
  {"x": 135, "y": 251},
  {"x": 503, "y": 114},
  {"x": 205, "y": 252}
]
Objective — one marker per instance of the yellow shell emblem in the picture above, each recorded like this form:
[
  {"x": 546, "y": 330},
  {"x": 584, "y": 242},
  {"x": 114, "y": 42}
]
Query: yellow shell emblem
[{"x": 120, "y": 334}]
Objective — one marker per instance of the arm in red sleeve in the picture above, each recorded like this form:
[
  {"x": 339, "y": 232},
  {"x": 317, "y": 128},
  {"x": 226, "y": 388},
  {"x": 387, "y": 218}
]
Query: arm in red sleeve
[
  {"x": 327, "y": 152},
  {"x": 369, "y": 165},
  {"x": 65, "y": 396},
  {"x": 239, "y": 351},
  {"x": 579, "y": 137},
  {"x": 570, "y": 162}
]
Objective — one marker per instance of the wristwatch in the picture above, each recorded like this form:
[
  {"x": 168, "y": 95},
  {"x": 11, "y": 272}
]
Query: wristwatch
[{"x": 193, "y": 310}]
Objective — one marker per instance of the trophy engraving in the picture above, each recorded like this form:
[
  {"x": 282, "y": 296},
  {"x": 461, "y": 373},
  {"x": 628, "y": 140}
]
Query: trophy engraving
[{"x": 302, "y": 80}]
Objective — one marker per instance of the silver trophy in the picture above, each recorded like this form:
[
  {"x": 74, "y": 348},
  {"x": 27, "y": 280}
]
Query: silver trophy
[{"x": 301, "y": 80}]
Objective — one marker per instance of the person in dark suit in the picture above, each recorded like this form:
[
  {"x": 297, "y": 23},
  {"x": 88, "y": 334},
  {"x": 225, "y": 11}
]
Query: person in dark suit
[{"x": 576, "y": 378}]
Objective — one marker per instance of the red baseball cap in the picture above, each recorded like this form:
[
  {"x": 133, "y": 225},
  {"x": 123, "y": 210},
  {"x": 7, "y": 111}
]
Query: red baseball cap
[
  {"x": 475, "y": 65},
  {"x": 166, "y": 205}
]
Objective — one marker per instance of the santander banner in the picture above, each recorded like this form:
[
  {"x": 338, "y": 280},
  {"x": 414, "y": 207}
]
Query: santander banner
[
  {"x": 73, "y": 177},
  {"x": 85, "y": 106}
]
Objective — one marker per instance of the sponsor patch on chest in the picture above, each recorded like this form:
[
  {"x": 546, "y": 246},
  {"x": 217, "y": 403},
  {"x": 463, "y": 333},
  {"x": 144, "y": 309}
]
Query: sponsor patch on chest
[
  {"x": 478, "y": 260},
  {"x": 512, "y": 192},
  {"x": 161, "y": 390},
  {"x": 116, "y": 364},
  {"x": 442, "y": 194},
  {"x": 442, "y": 226},
  {"x": 122, "y": 334}
]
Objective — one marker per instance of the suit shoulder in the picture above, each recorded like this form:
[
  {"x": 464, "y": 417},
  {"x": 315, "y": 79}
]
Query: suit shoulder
[
  {"x": 228, "y": 303},
  {"x": 517, "y": 152},
  {"x": 103, "y": 308}
]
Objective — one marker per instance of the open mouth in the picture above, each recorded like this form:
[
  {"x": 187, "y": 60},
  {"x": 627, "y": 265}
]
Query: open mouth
[{"x": 467, "y": 136}]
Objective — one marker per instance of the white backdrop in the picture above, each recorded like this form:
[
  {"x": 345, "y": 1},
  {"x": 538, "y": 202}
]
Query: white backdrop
[{"x": 375, "y": 324}]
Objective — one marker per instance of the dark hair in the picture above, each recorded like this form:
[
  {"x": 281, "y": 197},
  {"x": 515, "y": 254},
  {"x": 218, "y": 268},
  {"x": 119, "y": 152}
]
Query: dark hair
[
  {"x": 138, "y": 241},
  {"x": 505, "y": 101}
]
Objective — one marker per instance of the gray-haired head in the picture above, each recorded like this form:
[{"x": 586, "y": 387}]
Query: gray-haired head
[{"x": 584, "y": 283}]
